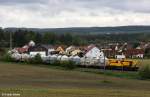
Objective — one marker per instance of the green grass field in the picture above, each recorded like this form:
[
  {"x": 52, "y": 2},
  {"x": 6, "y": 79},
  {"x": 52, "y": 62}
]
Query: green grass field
[{"x": 47, "y": 81}]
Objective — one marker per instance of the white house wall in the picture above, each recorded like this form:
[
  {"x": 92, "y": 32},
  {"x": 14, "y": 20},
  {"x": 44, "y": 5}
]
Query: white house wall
[
  {"x": 42, "y": 53},
  {"x": 94, "y": 53},
  {"x": 139, "y": 55},
  {"x": 50, "y": 50}
]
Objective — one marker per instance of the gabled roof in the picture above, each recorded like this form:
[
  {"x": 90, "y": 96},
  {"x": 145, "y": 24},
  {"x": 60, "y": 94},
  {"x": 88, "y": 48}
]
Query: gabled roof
[
  {"x": 45, "y": 47},
  {"x": 59, "y": 49},
  {"x": 90, "y": 47}
]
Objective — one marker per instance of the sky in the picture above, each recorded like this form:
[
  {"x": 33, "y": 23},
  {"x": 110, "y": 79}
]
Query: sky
[{"x": 73, "y": 13}]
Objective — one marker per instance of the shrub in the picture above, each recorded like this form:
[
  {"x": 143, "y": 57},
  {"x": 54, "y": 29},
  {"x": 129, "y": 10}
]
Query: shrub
[
  {"x": 2, "y": 51},
  {"x": 7, "y": 57},
  {"x": 56, "y": 63},
  {"x": 144, "y": 72},
  {"x": 68, "y": 65},
  {"x": 36, "y": 59}
]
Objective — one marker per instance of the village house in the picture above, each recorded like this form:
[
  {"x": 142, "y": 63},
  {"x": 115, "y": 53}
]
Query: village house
[
  {"x": 93, "y": 52},
  {"x": 143, "y": 45},
  {"x": 76, "y": 52},
  {"x": 60, "y": 50},
  {"x": 120, "y": 57},
  {"x": 70, "y": 49},
  {"x": 43, "y": 50},
  {"x": 115, "y": 49},
  {"x": 134, "y": 53},
  {"x": 110, "y": 53},
  {"x": 25, "y": 48}
]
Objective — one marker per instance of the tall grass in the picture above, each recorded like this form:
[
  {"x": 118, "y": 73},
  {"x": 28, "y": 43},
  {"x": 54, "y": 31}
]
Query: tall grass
[{"x": 144, "y": 72}]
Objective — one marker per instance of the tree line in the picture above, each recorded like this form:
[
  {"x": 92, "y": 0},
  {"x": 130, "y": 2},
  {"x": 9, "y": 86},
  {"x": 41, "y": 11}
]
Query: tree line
[{"x": 21, "y": 37}]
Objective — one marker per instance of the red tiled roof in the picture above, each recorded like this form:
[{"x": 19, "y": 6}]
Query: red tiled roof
[
  {"x": 22, "y": 50},
  {"x": 89, "y": 48},
  {"x": 134, "y": 51}
]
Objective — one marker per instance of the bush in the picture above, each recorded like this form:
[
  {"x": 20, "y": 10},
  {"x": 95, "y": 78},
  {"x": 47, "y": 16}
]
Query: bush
[
  {"x": 2, "y": 51},
  {"x": 68, "y": 65},
  {"x": 144, "y": 72},
  {"x": 36, "y": 59},
  {"x": 7, "y": 57},
  {"x": 56, "y": 63}
]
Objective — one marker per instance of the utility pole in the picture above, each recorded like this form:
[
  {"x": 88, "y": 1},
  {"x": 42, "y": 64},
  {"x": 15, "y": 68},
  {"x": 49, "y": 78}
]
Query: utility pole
[
  {"x": 104, "y": 69},
  {"x": 10, "y": 40},
  {"x": 104, "y": 57},
  {"x": 104, "y": 61}
]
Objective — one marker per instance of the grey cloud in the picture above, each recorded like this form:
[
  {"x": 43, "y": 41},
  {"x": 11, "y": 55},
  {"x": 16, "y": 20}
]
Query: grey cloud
[
  {"x": 68, "y": 12},
  {"x": 123, "y": 5},
  {"x": 20, "y": 1}
]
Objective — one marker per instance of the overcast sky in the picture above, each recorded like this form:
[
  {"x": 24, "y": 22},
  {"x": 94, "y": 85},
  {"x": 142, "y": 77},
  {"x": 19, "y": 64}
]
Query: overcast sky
[{"x": 73, "y": 13}]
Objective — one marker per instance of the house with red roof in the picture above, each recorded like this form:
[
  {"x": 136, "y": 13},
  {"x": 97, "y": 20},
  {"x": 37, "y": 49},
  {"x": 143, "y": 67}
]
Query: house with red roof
[
  {"x": 93, "y": 52},
  {"x": 22, "y": 50},
  {"x": 134, "y": 53}
]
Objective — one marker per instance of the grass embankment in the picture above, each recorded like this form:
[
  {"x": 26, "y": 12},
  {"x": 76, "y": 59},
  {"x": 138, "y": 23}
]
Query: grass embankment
[
  {"x": 113, "y": 73},
  {"x": 51, "y": 81}
]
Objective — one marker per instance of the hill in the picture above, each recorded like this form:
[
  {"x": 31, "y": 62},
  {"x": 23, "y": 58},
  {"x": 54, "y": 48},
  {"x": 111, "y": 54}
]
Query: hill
[{"x": 99, "y": 30}]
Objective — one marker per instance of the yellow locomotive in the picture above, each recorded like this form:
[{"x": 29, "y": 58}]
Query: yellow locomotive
[{"x": 126, "y": 63}]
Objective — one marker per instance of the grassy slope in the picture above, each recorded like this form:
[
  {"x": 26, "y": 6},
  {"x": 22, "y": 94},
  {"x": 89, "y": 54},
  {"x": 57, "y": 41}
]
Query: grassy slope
[{"x": 40, "y": 81}]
